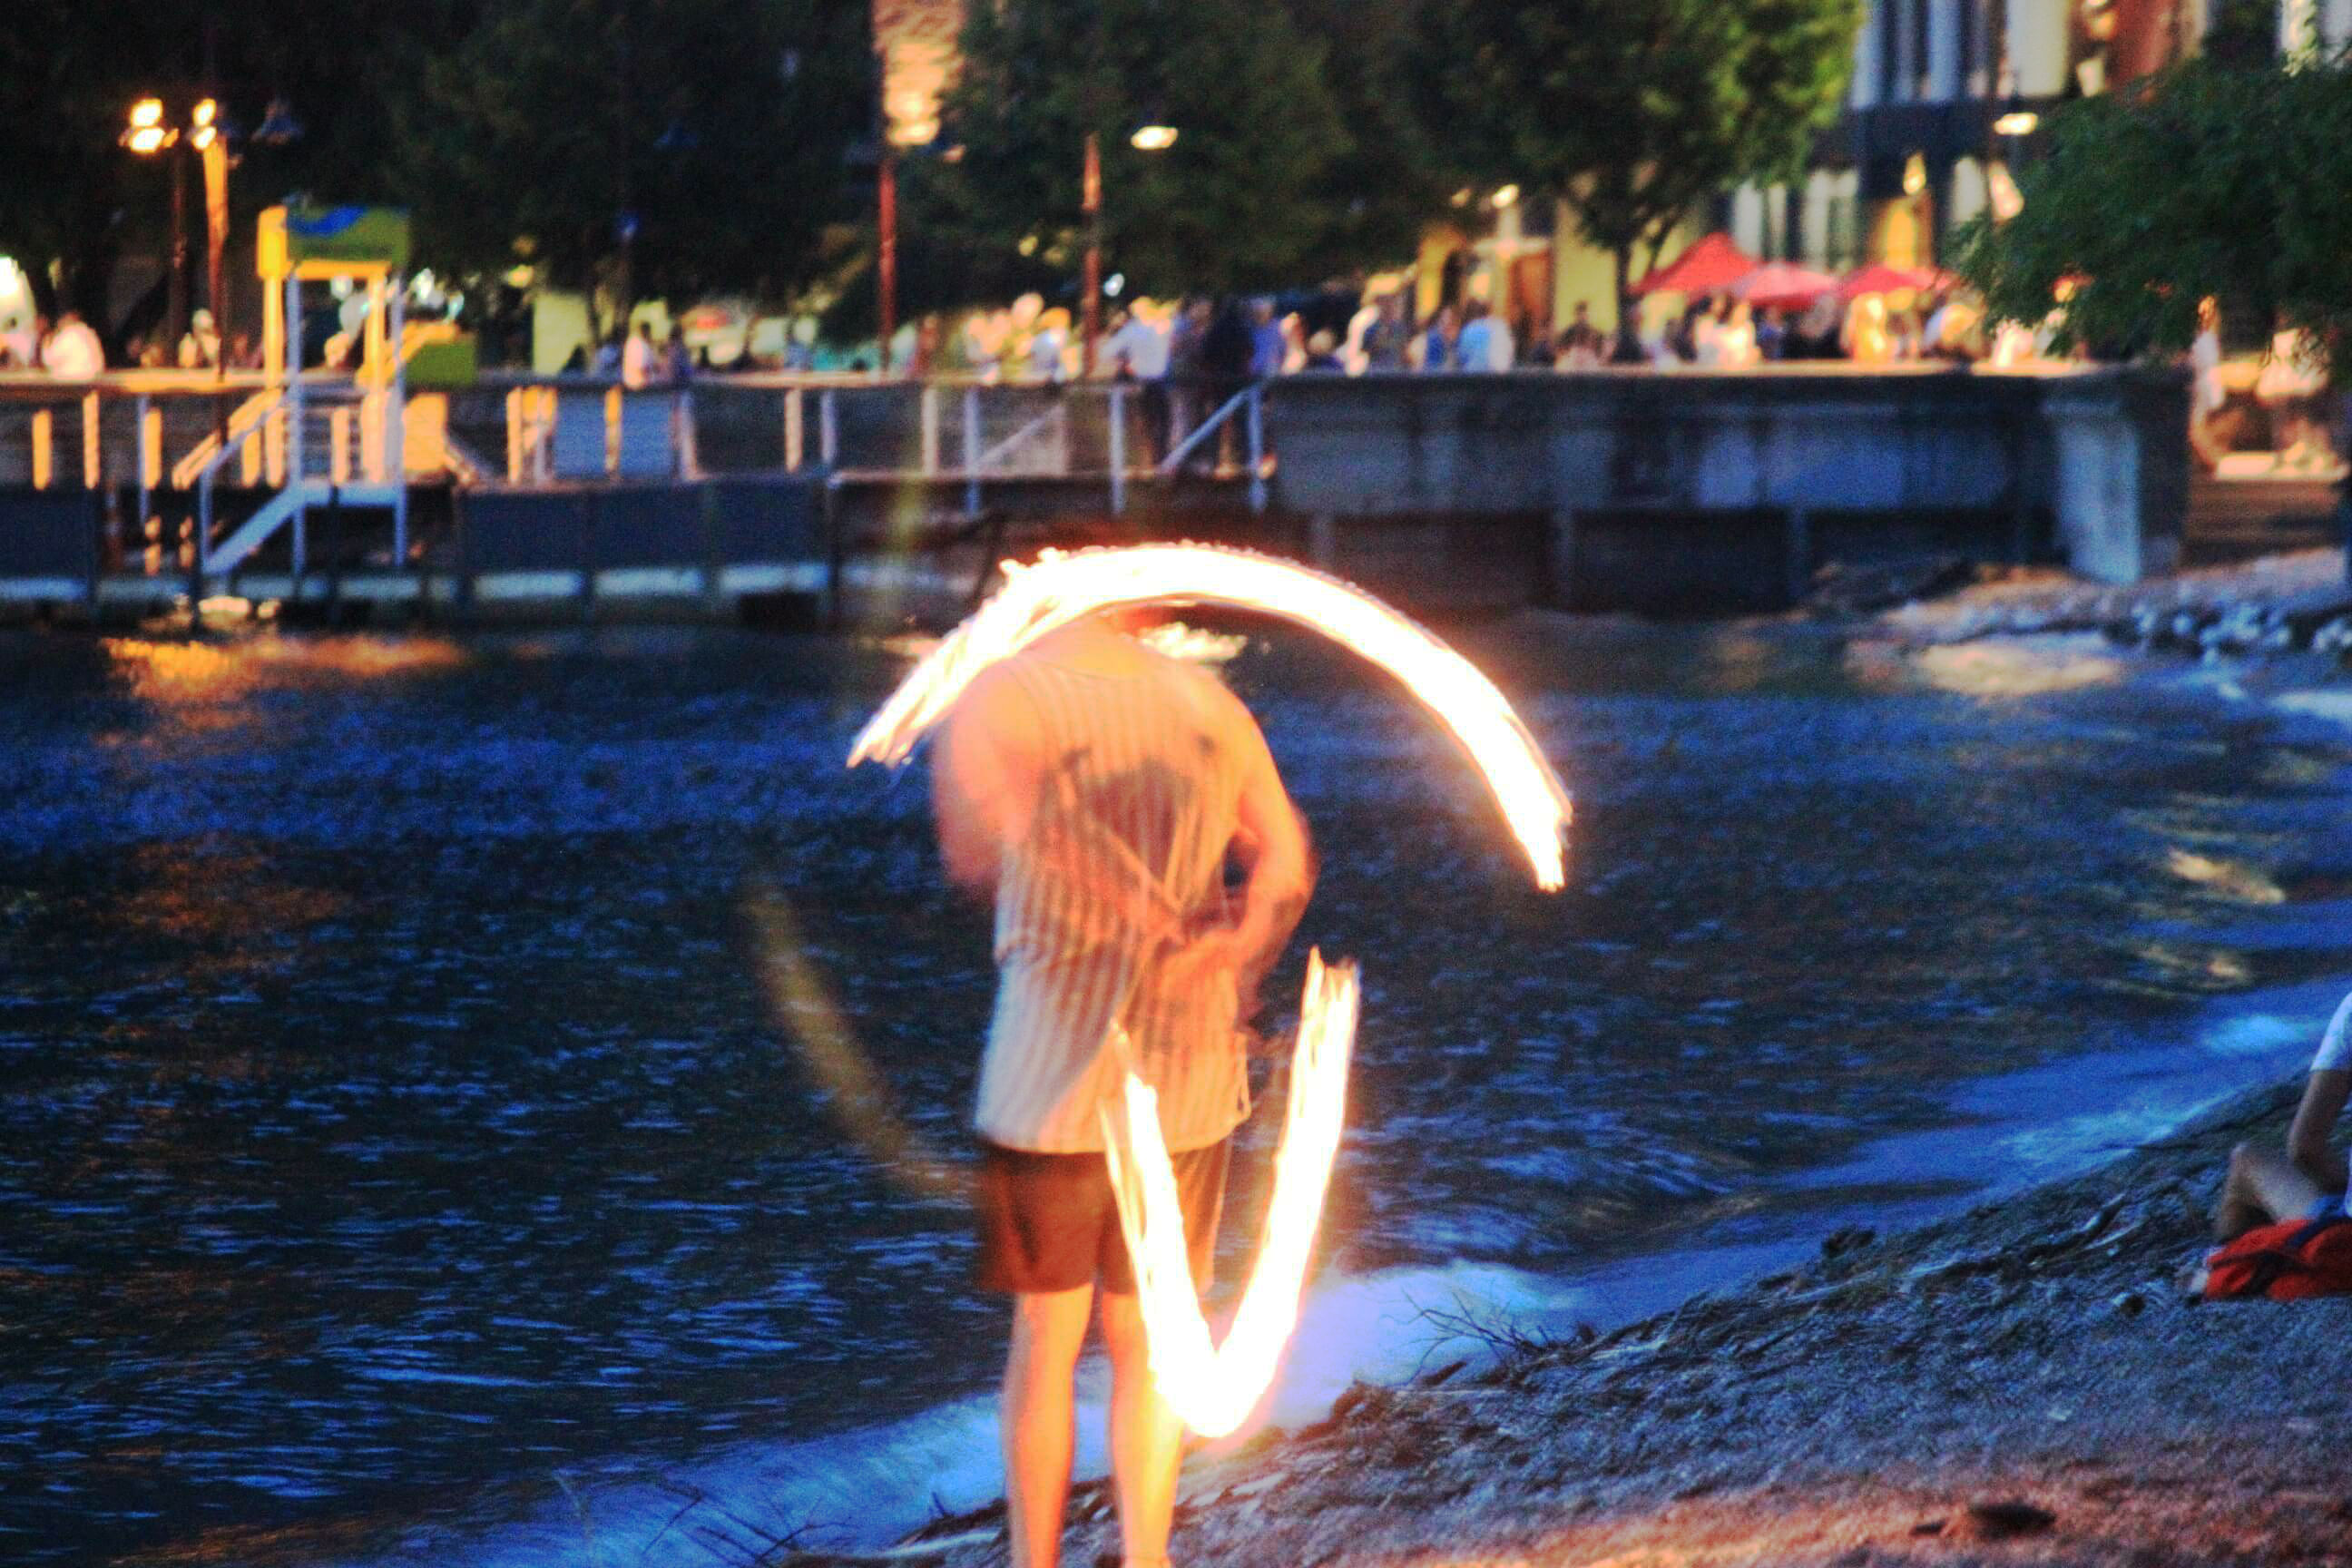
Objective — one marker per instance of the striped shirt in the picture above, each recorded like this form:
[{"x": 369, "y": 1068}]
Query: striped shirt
[{"x": 1142, "y": 769}]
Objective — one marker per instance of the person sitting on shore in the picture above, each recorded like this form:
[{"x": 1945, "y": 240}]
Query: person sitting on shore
[{"x": 2305, "y": 1180}]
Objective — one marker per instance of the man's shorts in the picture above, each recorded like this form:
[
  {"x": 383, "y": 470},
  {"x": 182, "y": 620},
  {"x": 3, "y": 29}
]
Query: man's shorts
[{"x": 1048, "y": 1222}]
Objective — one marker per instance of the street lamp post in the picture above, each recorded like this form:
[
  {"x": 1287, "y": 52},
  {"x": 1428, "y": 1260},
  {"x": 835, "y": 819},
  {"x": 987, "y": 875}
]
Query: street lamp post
[
  {"x": 1146, "y": 139},
  {"x": 149, "y": 134},
  {"x": 1090, "y": 277},
  {"x": 886, "y": 258}
]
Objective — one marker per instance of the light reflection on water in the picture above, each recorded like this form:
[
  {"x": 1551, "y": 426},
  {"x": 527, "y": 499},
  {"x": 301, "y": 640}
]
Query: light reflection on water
[{"x": 390, "y": 1114}]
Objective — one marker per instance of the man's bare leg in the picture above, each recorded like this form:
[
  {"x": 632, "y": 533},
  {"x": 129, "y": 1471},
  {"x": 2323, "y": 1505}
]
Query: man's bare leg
[
  {"x": 1039, "y": 1418},
  {"x": 2264, "y": 1186},
  {"x": 1146, "y": 1438}
]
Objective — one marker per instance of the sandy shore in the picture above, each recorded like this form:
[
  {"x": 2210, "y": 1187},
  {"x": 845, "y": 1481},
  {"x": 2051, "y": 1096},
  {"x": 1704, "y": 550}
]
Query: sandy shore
[{"x": 2022, "y": 1384}]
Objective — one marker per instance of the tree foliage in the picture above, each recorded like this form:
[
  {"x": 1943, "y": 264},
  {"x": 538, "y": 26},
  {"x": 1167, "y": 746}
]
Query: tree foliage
[
  {"x": 2211, "y": 179},
  {"x": 72, "y": 199},
  {"x": 1635, "y": 111},
  {"x": 1246, "y": 198},
  {"x": 653, "y": 147}
]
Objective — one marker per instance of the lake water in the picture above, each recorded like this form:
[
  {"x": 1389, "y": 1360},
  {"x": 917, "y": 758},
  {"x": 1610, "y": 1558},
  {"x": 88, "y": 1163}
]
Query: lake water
[{"x": 421, "y": 1059}]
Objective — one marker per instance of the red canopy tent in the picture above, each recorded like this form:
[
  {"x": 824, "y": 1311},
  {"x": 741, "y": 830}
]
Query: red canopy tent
[
  {"x": 1779, "y": 285},
  {"x": 1708, "y": 265},
  {"x": 1878, "y": 277}
]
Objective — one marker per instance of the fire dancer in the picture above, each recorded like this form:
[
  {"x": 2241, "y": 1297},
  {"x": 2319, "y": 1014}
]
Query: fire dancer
[
  {"x": 2305, "y": 1180},
  {"x": 1097, "y": 791}
]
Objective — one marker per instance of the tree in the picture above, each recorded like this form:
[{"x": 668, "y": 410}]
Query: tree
[
  {"x": 1244, "y": 200},
  {"x": 72, "y": 200},
  {"x": 650, "y": 148},
  {"x": 2211, "y": 179},
  {"x": 1635, "y": 111},
  {"x": 1393, "y": 180}
]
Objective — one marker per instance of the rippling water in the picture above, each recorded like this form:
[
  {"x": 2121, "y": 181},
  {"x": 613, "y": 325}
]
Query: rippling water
[{"x": 405, "y": 1152}]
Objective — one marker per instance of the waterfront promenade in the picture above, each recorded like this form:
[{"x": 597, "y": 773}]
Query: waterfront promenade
[{"x": 1601, "y": 490}]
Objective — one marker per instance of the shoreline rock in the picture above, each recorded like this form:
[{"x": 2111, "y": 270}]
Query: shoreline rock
[
  {"x": 2021, "y": 1382},
  {"x": 2292, "y": 603}
]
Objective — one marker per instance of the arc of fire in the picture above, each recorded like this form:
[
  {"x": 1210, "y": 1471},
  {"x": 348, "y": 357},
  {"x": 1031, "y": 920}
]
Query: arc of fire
[{"x": 1214, "y": 1386}]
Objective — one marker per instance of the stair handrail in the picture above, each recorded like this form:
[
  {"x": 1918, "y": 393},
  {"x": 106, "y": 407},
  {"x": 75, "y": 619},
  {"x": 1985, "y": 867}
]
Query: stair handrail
[
  {"x": 231, "y": 448},
  {"x": 243, "y": 421},
  {"x": 1249, "y": 402},
  {"x": 1208, "y": 427}
]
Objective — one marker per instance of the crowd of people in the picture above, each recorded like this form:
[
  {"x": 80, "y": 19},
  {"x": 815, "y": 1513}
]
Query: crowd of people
[
  {"x": 1202, "y": 341},
  {"x": 640, "y": 361},
  {"x": 70, "y": 349}
]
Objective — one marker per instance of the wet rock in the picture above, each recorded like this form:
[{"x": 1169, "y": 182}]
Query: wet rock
[
  {"x": 2130, "y": 1303},
  {"x": 2008, "y": 1519},
  {"x": 1846, "y": 590},
  {"x": 1851, "y": 1239}
]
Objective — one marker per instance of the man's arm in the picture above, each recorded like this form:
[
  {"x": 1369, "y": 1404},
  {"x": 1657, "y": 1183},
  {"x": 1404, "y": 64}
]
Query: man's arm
[
  {"x": 983, "y": 788},
  {"x": 2323, "y": 1097},
  {"x": 1271, "y": 843}
]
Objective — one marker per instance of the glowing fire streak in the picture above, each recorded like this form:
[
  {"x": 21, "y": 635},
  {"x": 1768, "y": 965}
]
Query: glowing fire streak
[
  {"x": 1213, "y": 1387},
  {"x": 1060, "y": 589}
]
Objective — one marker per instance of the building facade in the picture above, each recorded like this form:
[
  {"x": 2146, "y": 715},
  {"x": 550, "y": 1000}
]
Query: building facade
[{"x": 1939, "y": 92}]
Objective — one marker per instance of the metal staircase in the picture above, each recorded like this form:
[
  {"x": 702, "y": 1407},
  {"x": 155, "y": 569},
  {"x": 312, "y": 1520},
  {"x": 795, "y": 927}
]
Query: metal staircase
[{"x": 324, "y": 443}]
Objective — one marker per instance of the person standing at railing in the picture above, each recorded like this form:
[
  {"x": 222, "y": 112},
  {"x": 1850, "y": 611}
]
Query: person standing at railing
[
  {"x": 640, "y": 361},
  {"x": 73, "y": 353},
  {"x": 1187, "y": 335},
  {"x": 200, "y": 345},
  {"x": 1437, "y": 342},
  {"x": 1139, "y": 348},
  {"x": 20, "y": 346},
  {"x": 1267, "y": 349}
]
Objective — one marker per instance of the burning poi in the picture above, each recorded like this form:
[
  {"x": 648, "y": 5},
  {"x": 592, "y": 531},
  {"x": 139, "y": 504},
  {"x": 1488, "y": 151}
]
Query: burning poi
[{"x": 1214, "y": 1386}]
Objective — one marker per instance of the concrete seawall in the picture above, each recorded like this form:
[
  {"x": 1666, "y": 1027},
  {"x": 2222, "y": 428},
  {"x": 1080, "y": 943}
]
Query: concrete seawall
[{"x": 1659, "y": 491}]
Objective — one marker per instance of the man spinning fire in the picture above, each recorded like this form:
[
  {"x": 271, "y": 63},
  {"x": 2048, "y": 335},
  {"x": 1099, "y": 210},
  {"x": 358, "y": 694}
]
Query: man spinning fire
[{"x": 1097, "y": 792}]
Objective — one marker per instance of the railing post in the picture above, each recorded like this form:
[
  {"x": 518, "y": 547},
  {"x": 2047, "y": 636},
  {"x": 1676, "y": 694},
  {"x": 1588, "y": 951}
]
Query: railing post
[
  {"x": 1118, "y": 449},
  {"x": 93, "y": 454},
  {"x": 828, "y": 429},
  {"x": 294, "y": 416},
  {"x": 690, "y": 460},
  {"x": 930, "y": 421},
  {"x": 972, "y": 451},
  {"x": 204, "y": 526},
  {"x": 613, "y": 416},
  {"x": 43, "y": 446},
  {"x": 396, "y": 429},
  {"x": 150, "y": 452},
  {"x": 516, "y": 426},
  {"x": 338, "y": 452},
  {"x": 1257, "y": 447},
  {"x": 794, "y": 440}
]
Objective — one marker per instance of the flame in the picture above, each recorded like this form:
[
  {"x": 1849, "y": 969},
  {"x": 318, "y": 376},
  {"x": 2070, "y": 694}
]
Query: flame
[
  {"x": 1061, "y": 588},
  {"x": 1214, "y": 1386}
]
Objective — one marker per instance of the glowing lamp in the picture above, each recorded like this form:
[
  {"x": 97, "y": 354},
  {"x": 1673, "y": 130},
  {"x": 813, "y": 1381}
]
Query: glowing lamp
[
  {"x": 148, "y": 139},
  {"x": 205, "y": 113},
  {"x": 2017, "y": 122},
  {"x": 147, "y": 111},
  {"x": 1153, "y": 138},
  {"x": 1508, "y": 195}
]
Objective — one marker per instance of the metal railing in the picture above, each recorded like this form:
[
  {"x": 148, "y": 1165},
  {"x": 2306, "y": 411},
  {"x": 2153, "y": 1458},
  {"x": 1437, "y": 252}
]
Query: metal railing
[{"x": 179, "y": 434}]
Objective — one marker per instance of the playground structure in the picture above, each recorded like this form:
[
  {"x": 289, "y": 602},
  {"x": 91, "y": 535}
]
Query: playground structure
[{"x": 305, "y": 432}]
